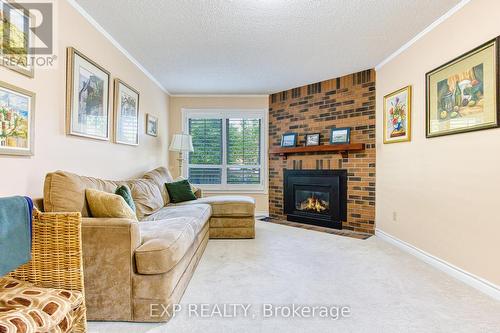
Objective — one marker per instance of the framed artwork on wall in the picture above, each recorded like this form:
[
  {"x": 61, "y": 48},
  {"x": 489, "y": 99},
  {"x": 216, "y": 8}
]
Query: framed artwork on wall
[
  {"x": 16, "y": 49},
  {"x": 313, "y": 139},
  {"x": 151, "y": 125},
  {"x": 340, "y": 135},
  {"x": 289, "y": 140},
  {"x": 126, "y": 114},
  {"x": 397, "y": 116},
  {"x": 17, "y": 107},
  {"x": 462, "y": 95},
  {"x": 87, "y": 97}
]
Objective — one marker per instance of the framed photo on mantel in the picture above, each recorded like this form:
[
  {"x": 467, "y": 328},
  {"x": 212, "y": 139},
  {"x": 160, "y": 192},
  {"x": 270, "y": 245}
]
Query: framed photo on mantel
[
  {"x": 289, "y": 140},
  {"x": 313, "y": 139},
  {"x": 340, "y": 135}
]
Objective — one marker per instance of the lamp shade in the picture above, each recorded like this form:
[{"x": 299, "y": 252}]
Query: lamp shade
[{"x": 182, "y": 143}]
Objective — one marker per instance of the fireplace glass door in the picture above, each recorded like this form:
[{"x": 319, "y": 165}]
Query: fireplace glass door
[{"x": 312, "y": 201}]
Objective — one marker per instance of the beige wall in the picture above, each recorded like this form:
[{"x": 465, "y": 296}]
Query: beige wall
[
  {"x": 444, "y": 191},
  {"x": 53, "y": 149},
  {"x": 222, "y": 102}
]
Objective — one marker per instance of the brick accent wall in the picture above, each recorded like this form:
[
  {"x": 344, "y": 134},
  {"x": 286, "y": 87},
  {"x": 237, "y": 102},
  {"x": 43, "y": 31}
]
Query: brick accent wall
[{"x": 348, "y": 101}]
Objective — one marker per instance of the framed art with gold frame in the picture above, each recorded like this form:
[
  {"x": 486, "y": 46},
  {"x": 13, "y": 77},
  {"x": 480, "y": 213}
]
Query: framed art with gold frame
[
  {"x": 16, "y": 47},
  {"x": 126, "y": 114},
  {"x": 87, "y": 97},
  {"x": 397, "y": 116},
  {"x": 17, "y": 124},
  {"x": 462, "y": 95}
]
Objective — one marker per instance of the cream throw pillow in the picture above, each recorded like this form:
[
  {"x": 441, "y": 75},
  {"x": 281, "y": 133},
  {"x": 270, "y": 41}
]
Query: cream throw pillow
[{"x": 103, "y": 204}]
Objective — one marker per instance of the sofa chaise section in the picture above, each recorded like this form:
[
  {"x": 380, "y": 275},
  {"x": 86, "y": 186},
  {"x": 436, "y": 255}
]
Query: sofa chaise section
[
  {"x": 131, "y": 266},
  {"x": 232, "y": 216}
]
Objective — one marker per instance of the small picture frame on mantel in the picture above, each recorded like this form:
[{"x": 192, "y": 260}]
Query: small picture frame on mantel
[
  {"x": 339, "y": 136},
  {"x": 312, "y": 139},
  {"x": 289, "y": 140}
]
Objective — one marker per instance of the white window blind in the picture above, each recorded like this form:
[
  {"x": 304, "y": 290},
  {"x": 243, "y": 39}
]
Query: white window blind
[
  {"x": 228, "y": 149},
  {"x": 206, "y": 160},
  {"x": 243, "y": 150}
]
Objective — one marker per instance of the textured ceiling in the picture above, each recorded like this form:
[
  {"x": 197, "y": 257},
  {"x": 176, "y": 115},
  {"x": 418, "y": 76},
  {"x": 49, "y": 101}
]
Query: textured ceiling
[{"x": 260, "y": 46}]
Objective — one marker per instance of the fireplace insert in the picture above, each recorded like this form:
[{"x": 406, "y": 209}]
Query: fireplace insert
[{"x": 316, "y": 197}]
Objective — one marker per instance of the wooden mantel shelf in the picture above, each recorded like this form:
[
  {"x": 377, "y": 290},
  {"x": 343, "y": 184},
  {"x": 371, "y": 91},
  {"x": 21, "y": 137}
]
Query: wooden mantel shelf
[{"x": 343, "y": 149}]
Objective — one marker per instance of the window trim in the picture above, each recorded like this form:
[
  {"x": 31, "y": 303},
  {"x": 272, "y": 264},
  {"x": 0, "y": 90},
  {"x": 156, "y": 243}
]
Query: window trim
[{"x": 221, "y": 113}]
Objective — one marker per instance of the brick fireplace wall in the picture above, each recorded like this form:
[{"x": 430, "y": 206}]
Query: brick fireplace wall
[{"x": 348, "y": 101}]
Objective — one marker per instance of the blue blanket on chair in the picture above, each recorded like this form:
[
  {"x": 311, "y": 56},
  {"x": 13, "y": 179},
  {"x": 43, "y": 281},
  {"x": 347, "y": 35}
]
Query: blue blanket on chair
[{"x": 15, "y": 232}]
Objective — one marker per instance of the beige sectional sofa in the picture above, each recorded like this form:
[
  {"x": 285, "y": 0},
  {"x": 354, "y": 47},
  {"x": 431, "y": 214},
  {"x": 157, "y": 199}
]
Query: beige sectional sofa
[{"x": 133, "y": 266}]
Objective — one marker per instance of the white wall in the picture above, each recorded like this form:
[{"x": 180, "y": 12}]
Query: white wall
[
  {"x": 53, "y": 149},
  {"x": 446, "y": 190}
]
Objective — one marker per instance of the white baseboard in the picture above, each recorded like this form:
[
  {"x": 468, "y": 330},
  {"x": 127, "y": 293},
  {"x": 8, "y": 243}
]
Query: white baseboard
[{"x": 470, "y": 279}]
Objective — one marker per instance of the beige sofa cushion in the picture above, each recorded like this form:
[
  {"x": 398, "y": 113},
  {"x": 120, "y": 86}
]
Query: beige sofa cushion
[
  {"x": 65, "y": 192},
  {"x": 160, "y": 176},
  {"x": 165, "y": 242},
  {"x": 199, "y": 211},
  {"x": 104, "y": 204},
  {"x": 147, "y": 197},
  {"x": 227, "y": 205}
]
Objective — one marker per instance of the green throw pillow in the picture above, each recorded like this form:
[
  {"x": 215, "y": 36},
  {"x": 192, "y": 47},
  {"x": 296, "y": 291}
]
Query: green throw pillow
[
  {"x": 126, "y": 194},
  {"x": 180, "y": 191}
]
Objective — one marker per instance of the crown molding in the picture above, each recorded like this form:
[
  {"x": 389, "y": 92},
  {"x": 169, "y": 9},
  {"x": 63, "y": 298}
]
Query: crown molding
[
  {"x": 217, "y": 96},
  {"x": 424, "y": 32},
  {"x": 113, "y": 41}
]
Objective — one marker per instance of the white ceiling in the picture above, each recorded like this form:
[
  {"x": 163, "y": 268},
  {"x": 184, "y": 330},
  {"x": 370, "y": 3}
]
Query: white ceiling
[{"x": 260, "y": 46}]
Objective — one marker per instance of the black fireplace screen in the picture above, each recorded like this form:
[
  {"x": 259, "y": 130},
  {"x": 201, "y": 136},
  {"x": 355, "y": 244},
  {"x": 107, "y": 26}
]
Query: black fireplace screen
[{"x": 316, "y": 197}]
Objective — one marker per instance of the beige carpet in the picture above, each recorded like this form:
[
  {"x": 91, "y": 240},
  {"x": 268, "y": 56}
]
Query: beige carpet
[{"x": 385, "y": 289}]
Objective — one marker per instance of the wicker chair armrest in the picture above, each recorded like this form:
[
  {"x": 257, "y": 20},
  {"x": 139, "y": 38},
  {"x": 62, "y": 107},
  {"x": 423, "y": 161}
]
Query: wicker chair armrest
[{"x": 56, "y": 253}]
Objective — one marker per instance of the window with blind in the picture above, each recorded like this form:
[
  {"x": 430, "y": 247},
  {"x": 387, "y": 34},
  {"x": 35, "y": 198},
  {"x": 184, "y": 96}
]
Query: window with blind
[{"x": 227, "y": 149}]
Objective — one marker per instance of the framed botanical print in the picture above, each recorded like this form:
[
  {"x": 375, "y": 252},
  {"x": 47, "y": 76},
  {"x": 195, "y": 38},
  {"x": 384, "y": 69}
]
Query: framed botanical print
[
  {"x": 462, "y": 95},
  {"x": 16, "y": 38},
  {"x": 151, "y": 125},
  {"x": 87, "y": 97},
  {"x": 340, "y": 135},
  {"x": 17, "y": 107},
  {"x": 126, "y": 114},
  {"x": 397, "y": 116},
  {"x": 289, "y": 140}
]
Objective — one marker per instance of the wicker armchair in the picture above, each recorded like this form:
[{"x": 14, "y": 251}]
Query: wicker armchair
[{"x": 56, "y": 257}]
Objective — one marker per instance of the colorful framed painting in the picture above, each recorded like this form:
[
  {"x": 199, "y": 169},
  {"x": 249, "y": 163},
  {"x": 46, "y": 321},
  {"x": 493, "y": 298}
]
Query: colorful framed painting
[
  {"x": 17, "y": 107},
  {"x": 397, "y": 116},
  {"x": 126, "y": 111},
  {"x": 313, "y": 139},
  {"x": 340, "y": 135},
  {"x": 462, "y": 95},
  {"x": 289, "y": 140},
  {"x": 87, "y": 97},
  {"x": 16, "y": 45},
  {"x": 151, "y": 125}
]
